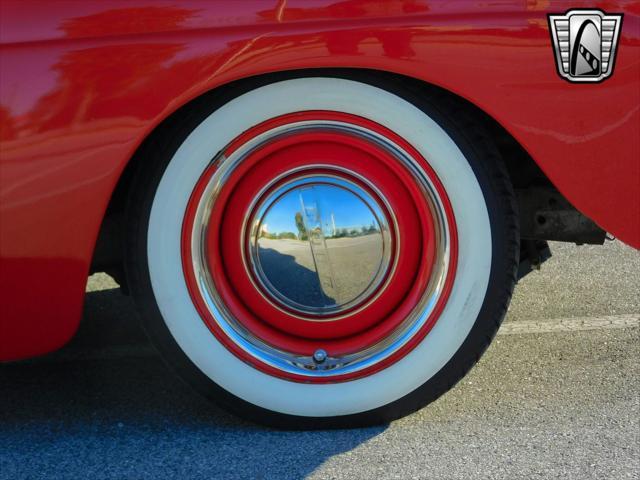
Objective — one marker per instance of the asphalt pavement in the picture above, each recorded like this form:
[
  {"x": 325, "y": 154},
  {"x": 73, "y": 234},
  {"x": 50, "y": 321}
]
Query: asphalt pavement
[
  {"x": 557, "y": 395},
  {"x": 341, "y": 270}
]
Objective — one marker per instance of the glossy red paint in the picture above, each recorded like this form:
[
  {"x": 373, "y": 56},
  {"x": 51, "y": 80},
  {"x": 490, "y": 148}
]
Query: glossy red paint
[
  {"x": 83, "y": 83},
  {"x": 352, "y": 331}
]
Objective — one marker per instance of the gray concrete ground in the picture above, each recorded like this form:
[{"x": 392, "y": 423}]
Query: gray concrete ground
[
  {"x": 342, "y": 270},
  {"x": 555, "y": 396}
]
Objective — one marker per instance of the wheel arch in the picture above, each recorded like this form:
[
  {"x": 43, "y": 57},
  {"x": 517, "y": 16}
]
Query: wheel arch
[{"x": 108, "y": 253}]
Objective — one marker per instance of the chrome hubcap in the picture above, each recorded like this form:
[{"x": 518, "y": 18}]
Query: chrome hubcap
[{"x": 320, "y": 245}]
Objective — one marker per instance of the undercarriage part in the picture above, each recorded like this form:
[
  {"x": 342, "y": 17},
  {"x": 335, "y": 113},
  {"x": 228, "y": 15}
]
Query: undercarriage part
[
  {"x": 532, "y": 254},
  {"x": 546, "y": 215}
]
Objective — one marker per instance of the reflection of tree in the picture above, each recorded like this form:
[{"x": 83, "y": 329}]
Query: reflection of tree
[
  {"x": 302, "y": 231},
  {"x": 127, "y": 20},
  {"x": 104, "y": 81},
  {"x": 354, "y": 232},
  {"x": 91, "y": 90},
  {"x": 279, "y": 236},
  {"x": 8, "y": 128}
]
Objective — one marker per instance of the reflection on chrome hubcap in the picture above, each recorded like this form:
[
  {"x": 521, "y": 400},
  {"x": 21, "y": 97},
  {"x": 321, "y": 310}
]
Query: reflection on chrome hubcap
[{"x": 320, "y": 244}]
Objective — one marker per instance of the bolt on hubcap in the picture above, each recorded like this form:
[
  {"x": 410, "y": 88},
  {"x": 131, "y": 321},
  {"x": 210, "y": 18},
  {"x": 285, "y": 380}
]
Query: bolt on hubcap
[{"x": 319, "y": 356}]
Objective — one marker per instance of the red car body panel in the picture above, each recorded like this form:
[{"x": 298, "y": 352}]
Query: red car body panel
[{"x": 83, "y": 83}]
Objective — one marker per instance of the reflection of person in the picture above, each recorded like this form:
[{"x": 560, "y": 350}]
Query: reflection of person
[
  {"x": 395, "y": 42},
  {"x": 346, "y": 9},
  {"x": 302, "y": 231}
]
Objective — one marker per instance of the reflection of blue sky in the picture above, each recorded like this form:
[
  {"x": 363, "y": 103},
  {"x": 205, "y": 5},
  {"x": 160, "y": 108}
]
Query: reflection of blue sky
[{"x": 348, "y": 210}]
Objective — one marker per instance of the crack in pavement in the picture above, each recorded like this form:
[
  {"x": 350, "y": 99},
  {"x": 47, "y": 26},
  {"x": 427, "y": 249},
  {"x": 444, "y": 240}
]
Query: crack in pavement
[{"x": 570, "y": 324}]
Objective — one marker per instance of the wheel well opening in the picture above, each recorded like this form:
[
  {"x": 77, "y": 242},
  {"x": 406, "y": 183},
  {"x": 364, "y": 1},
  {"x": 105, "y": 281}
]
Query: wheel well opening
[{"x": 524, "y": 173}]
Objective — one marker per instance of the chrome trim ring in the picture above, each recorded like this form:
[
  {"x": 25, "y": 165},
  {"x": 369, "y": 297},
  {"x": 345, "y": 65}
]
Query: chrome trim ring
[{"x": 306, "y": 365}]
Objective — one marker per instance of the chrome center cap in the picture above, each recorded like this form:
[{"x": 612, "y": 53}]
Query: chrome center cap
[{"x": 320, "y": 245}]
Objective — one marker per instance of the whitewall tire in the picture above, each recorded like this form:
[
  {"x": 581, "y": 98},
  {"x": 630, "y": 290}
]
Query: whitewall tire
[{"x": 201, "y": 333}]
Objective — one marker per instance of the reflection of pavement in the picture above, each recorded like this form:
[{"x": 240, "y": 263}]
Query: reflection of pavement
[
  {"x": 299, "y": 249},
  {"x": 289, "y": 267},
  {"x": 354, "y": 262}
]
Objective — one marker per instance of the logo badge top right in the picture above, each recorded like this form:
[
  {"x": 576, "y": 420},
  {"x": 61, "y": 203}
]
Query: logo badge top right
[{"x": 585, "y": 44}]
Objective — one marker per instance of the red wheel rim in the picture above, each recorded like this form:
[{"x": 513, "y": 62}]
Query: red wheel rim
[{"x": 332, "y": 152}]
